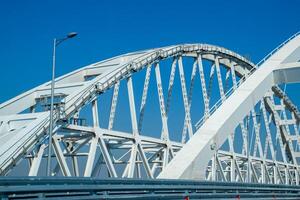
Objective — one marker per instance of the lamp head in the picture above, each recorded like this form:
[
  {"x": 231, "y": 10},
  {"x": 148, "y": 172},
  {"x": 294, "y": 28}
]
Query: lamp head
[{"x": 72, "y": 34}]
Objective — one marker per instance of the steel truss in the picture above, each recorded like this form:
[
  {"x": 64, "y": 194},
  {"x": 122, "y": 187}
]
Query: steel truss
[
  {"x": 102, "y": 150},
  {"x": 274, "y": 125}
]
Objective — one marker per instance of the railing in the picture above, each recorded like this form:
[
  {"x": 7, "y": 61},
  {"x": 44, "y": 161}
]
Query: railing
[
  {"x": 276, "y": 49},
  {"x": 92, "y": 188},
  {"x": 243, "y": 78},
  {"x": 151, "y": 57}
]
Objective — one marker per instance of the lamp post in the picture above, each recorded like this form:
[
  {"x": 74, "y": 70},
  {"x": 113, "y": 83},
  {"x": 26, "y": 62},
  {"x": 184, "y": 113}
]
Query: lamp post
[{"x": 56, "y": 42}]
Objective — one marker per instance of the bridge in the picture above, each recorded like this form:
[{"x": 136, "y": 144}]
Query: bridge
[{"x": 198, "y": 114}]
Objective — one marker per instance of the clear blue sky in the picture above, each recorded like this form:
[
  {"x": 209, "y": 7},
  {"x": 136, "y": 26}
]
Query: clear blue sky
[{"x": 109, "y": 28}]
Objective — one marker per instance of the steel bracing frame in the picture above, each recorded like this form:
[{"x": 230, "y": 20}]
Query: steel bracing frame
[
  {"x": 281, "y": 66},
  {"x": 261, "y": 146}
]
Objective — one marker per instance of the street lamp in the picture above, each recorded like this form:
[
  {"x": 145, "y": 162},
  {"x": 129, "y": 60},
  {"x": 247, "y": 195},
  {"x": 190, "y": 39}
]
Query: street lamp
[{"x": 56, "y": 42}]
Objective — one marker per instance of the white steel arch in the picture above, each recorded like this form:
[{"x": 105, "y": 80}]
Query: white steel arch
[
  {"x": 76, "y": 92},
  {"x": 280, "y": 67}
]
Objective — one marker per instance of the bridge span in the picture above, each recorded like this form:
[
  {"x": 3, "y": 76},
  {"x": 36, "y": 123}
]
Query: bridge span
[{"x": 189, "y": 111}]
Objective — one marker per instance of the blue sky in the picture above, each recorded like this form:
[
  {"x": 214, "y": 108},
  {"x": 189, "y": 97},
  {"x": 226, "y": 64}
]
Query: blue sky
[{"x": 109, "y": 28}]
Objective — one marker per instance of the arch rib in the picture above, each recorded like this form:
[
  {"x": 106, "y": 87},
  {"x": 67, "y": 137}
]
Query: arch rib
[{"x": 281, "y": 67}]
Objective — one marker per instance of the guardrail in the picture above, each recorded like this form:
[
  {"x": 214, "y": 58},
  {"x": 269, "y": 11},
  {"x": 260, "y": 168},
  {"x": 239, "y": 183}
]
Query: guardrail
[
  {"x": 276, "y": 49},
  {"x": 91, "y": 188}
]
